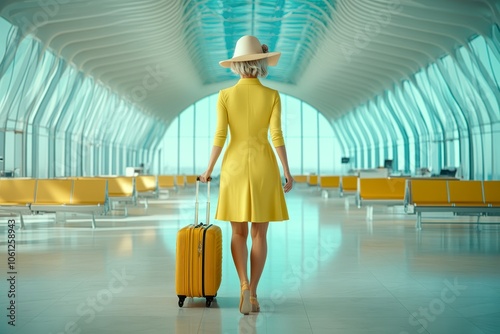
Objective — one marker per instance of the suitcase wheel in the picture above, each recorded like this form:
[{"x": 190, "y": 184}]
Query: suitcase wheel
[
  {"x": 209, "y": 301},
  {"x": 181, "y": 300}
]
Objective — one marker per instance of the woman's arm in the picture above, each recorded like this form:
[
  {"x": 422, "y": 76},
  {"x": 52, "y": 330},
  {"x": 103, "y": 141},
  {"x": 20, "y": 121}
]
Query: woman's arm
[
  {"x": 211, "y": 163},
  {"x": 281, "y": 150},
  {"x": 279, "y": 141}
]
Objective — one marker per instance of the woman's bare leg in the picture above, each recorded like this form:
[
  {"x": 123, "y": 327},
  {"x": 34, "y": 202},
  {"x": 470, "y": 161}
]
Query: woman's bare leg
[
  {"x": 258, "y": 254},
  {"x": 239, "y": 249}
]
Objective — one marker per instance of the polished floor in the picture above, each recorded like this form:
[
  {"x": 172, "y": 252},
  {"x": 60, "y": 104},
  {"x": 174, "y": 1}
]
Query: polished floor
[{"x": 329, "y": 270}]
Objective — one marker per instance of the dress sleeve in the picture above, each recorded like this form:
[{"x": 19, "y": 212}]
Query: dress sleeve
[
  {"x": 221, "y": 129},
  {"x": 275, "y": 123}
]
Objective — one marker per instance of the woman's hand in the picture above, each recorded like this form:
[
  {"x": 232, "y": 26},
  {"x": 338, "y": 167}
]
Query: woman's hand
[
  {"x": 289, "y": 183},
  {"x": 205, "y": 176}
]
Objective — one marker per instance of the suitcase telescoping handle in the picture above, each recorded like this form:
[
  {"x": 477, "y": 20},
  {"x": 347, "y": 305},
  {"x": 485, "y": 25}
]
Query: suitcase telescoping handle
[{"x": 207, "y": 221}]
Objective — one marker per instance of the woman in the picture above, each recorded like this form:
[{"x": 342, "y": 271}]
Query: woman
[{"x": 250, "y": 181}]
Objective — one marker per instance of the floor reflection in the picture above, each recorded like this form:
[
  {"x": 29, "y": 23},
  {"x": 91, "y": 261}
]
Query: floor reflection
[{"x": 329, "y": 269}]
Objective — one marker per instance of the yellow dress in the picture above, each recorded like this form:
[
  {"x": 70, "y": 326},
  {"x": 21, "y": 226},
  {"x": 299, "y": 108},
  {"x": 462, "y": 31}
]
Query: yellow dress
[{"x": 250, "y": 181}]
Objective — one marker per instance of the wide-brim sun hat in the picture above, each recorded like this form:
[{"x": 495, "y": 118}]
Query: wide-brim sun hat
[{"x": 249, "y": 48}]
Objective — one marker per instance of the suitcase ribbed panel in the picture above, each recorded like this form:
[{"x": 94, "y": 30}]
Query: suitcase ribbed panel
[
  {"x": 213, "y": 260},
  {"x": 182, "y": 261},
  {"x": 190, "y": 253},
  {"x": 186, "y": 261}
]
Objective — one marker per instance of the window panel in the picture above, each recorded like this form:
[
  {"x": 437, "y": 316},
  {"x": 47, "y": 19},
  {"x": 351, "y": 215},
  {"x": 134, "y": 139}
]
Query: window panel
[
  {"x": 294, "y": 149},
  {"x": 493, "y": 158},
  {"x": 310, "y": 154},
  {"x": 309, "y": 122},
  {"x": 186, "y": 157},
  {"x": 291, "y": 117},
  {"x": 328, "y": 156},
  {"x": 4, "y": 33}
]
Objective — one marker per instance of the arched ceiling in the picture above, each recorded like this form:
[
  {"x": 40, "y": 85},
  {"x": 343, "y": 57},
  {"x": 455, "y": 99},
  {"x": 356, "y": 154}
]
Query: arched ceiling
[{"x": 163, "y": 54}]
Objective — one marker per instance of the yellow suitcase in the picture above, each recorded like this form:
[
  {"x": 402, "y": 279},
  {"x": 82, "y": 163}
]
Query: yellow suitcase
[{"x": 198, "y": 270}]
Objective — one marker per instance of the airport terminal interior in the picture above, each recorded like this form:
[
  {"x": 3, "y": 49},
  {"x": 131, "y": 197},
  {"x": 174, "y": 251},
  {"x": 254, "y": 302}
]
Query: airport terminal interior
[{"x": 390, "y": 112}]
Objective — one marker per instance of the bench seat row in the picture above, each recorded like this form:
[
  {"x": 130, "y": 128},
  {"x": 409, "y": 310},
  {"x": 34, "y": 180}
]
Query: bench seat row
[
  {"x": 345, "y": 184},
  {"x": 417, "y": 195},
  {"x": 478, "y": 198},
  {"x": 33, "y": 196},
  {"x": 88, "y": 195}
]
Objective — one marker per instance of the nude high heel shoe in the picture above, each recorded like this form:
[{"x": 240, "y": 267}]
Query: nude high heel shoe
[
  {"x": 255, "y": 304},
  {"x": 245, "y": 305}
]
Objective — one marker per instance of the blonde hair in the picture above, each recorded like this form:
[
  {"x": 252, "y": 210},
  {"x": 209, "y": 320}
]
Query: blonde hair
[{"x": 252, "y": 68}]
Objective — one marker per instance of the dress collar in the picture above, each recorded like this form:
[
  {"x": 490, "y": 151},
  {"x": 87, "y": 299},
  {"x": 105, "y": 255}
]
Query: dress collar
[{"x": 249, "y": 81}]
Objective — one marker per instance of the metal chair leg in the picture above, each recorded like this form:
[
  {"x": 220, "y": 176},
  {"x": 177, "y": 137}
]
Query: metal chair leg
[
  {"x": 419, "y": 221},
  {"x": 23, "y": 227},
  {"x": 369, "y": 212}
]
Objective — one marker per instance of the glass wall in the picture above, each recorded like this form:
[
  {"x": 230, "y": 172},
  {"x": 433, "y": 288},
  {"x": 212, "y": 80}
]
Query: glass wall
[
  {"x": 312, "y": 145},
  {"x": 55, "y": 121},
  {"x": 446, "y": 115}
]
